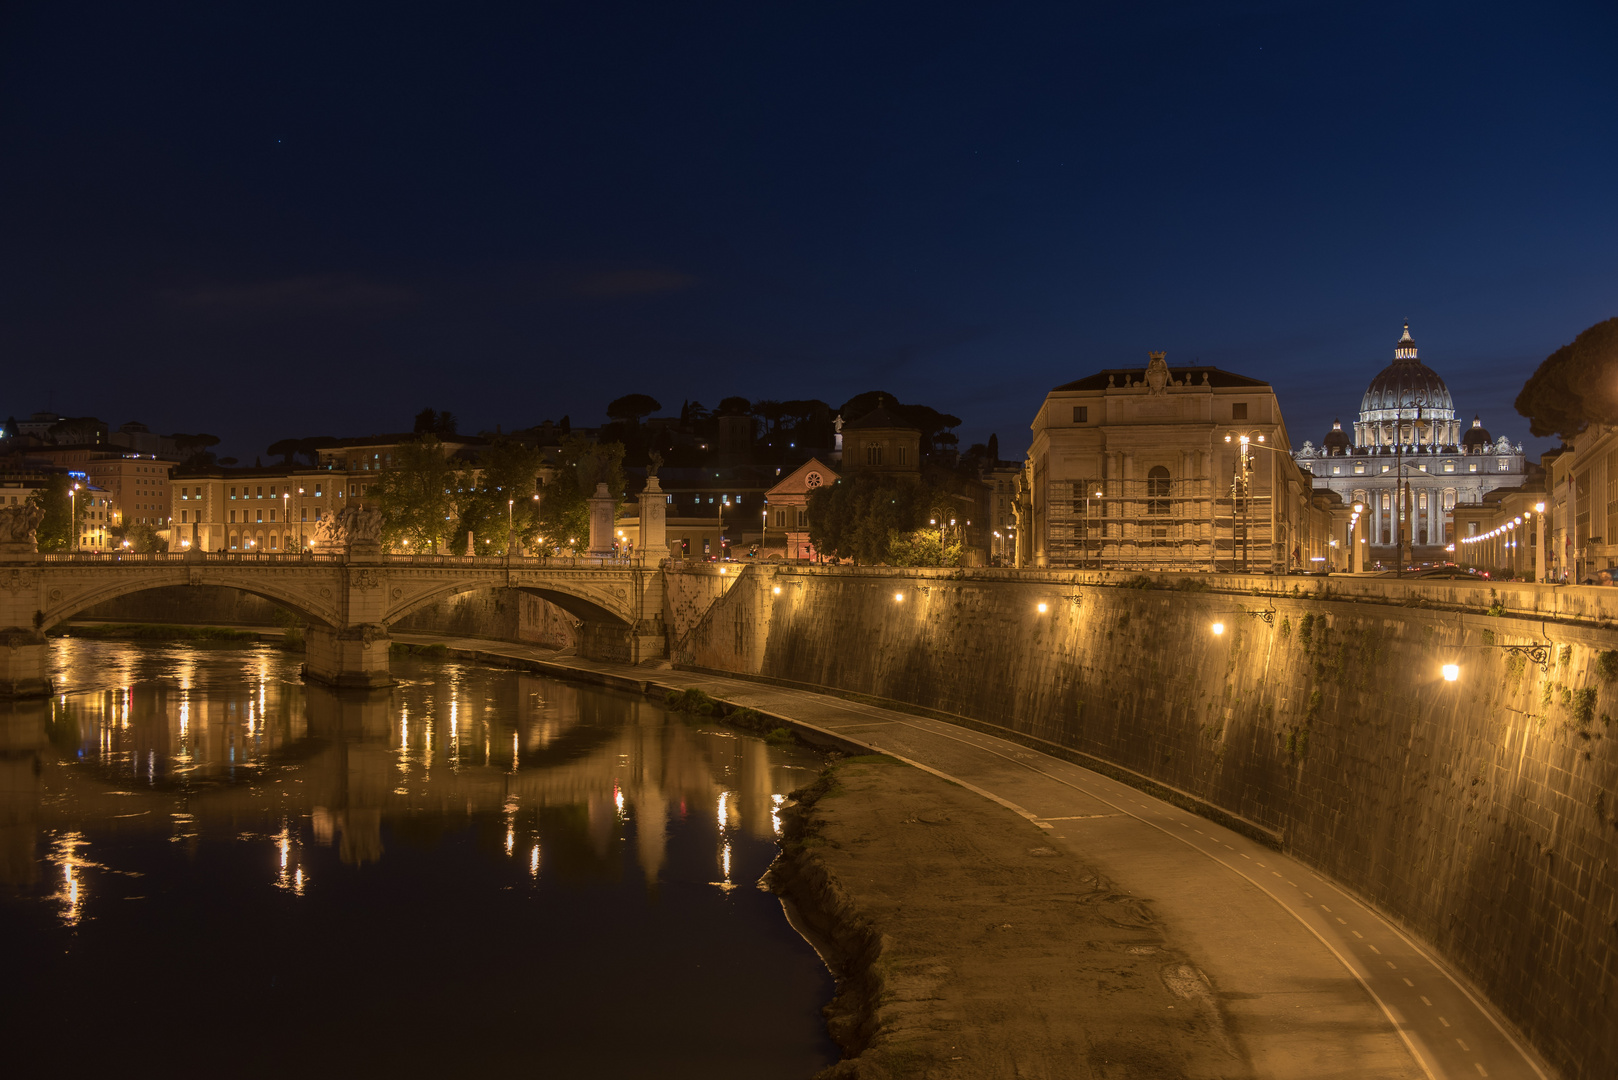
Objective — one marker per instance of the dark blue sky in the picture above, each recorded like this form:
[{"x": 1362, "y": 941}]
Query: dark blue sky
[{"x": 284, "y": 220}]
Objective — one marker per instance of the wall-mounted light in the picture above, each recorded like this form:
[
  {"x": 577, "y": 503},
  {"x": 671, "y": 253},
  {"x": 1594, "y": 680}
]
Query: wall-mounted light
[
  {"x": 1452, "y": 672},
  {"x": 1218, "y": 628},
  {"x": 777, "y": 590},
  {"x": 1042, "y": 607},
  {"x": 898, "y": 596}
]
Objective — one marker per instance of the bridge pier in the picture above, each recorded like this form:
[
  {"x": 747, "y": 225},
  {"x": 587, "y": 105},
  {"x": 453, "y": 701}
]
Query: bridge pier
[
  {"x": 354, "y": 656},
  {"x": 618, "y": 643},
  {"x": 24, "y": 664}
]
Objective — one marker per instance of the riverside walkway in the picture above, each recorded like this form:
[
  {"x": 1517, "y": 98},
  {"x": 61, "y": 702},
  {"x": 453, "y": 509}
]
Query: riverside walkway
[{"x": 1313, "y": 983}]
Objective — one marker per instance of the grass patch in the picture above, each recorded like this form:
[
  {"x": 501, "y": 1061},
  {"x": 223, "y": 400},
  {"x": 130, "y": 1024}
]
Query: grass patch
[
  {"x": 693, "y": 702},
  {"x": 435, "y": 651}
]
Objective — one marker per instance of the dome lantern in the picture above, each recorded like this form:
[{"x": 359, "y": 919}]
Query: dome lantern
[{"x": 1407, "y": 403}]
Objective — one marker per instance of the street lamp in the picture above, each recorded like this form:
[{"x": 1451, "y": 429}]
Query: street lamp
[{"x": 300, "y": 520}]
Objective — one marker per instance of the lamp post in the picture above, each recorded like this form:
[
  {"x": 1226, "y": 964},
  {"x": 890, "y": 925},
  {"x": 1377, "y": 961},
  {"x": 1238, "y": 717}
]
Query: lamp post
[
  {"x": 1356, "y": 557},
  {"x": 1540, "y": 577},
  {"x": 719, "y": 552},
  {"x": 286, "y": 503},
  {"x": 73, "y": 517},
  {"x": 300, "y": 521}
]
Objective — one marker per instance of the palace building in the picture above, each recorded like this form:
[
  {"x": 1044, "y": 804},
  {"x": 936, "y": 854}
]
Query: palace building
[{"x": 1410, "y": 459}]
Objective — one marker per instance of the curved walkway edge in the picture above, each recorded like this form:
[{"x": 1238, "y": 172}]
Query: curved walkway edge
[{"x": 1314, "y": 982}]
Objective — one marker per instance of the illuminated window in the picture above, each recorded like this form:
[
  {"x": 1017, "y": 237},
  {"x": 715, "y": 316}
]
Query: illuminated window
[
  {"x": 1387, "y": 501},
  {"x": 1471, "y": 466},
  {"x": 1505, "y": 464},
  {"x": 1359, "y": 468},
  {"x": 1421, "y": 500},
  {"x": 1337, "y": 470},
  {"x": 317, "y": 491},
  {"x": 1449, "y": 498},
  {"x": 1449, "y": 466},
  {"x": 1385, "y": 467}
]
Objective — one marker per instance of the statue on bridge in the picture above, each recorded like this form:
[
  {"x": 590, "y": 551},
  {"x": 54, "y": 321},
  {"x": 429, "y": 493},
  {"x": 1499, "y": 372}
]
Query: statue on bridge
[
  {"x": 19, "y": 528},
  {"x": 352, "y": 530}
]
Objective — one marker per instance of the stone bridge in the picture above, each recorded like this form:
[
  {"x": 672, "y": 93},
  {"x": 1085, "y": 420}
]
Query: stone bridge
[{"x": 349, "y": 601}]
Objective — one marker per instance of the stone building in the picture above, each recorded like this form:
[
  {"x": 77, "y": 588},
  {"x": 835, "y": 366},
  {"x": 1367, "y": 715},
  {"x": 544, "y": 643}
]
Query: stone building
[
  {"x": 1582, "y": 494},
  {"x": 1184, "y": 468},
  {"x": 881, "y": 442},
  {"x": 1408, "y": 434},
  {"x": 787, "y": 506}
]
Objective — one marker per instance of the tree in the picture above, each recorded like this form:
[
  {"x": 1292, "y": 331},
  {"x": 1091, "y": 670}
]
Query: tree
[
  {"x": 64, "y": 514},
  {"x": 864, "y": 517},
  {"x": 418, "y": 496},
  {"x": 1575, "y": 386},
  {"x": 502, "y": 501},
  {"x": 143, "y": 539},
  {"x": 286, "y": 449},
  {"x": 432, "y": 422},
  {"x": 196, "y": 449},
  {"x": 735, "y": 406},
  {"x": 564, "y": 505},
  {"x": 632, "y": 407}
]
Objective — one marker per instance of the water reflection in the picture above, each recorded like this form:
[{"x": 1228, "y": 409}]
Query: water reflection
[{"x": 164, "y": 775}]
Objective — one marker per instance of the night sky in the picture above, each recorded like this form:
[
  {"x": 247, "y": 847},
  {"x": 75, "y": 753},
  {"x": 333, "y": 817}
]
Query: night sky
[{"x": 283, "y": 220}]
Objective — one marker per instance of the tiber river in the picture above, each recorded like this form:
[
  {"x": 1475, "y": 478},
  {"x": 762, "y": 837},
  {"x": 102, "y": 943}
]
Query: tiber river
[{"x": 211, "y": 868}]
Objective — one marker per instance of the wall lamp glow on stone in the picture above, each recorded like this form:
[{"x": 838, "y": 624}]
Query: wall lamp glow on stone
[
  {"x": 1042, "y": 607},
  {"x": 1218, "y": 628},
  {"x": 898, "y": 597},
  {"x": 777, "y": 590},
  {"x": 1452, "y": 672}
]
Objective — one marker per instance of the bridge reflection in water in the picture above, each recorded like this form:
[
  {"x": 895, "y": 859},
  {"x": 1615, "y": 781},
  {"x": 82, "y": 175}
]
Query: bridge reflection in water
[{"x": 565, "y": 821}]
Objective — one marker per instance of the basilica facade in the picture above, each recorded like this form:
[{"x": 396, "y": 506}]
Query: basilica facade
[{"x": 1410, "y": 460}]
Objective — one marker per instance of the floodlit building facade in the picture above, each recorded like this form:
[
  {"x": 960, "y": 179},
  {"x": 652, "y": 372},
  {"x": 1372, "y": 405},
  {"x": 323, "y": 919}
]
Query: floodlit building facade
[
  {"x": 1171, "y": 469},
  {"x": 1411, "y": 461}
]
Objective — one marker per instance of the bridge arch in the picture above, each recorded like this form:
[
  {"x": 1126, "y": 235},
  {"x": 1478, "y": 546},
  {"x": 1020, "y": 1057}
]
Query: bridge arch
[
  {"x": 584, "y": 604},
  {"x": 63, "y": 602}
]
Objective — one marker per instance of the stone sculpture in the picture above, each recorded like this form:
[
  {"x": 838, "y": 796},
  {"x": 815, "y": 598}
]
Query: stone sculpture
[{"x": 19, "y": 527}]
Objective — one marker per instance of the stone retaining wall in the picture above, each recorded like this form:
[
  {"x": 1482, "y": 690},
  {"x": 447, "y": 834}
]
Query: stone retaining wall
[{"x": 1481, "y": 813}]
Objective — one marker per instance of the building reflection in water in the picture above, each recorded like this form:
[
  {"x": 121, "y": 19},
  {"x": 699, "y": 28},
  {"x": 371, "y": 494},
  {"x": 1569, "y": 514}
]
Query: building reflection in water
[
  {"x": 202, "y": 745},
  {"x": 203, "y": 822}
]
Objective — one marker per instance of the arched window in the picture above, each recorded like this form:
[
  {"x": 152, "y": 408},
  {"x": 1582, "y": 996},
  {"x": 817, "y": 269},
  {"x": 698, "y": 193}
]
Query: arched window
[
  {"x": 1387, "y": 500},
  {"x": 1449, "y": 498},
  {"x": 1157, "y": 490},
  {"x": 1421, "y": 500}
]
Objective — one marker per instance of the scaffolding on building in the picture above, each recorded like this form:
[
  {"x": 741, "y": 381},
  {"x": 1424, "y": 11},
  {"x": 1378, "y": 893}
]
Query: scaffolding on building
[{"x": 1158, "y": 523}]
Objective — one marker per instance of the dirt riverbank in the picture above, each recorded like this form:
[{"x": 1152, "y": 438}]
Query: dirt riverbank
[{"x": 970, "y": 949}]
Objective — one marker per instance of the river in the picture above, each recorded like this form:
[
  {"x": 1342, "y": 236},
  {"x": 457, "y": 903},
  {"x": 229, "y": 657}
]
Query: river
[{"x": 210, "y": 867}]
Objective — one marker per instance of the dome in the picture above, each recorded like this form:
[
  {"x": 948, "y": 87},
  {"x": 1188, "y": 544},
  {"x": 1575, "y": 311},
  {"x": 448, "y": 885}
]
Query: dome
[
  {"x": 1406, "y": 385},
  {"x": 1476, "y": 435},
  {"x": 1335, "y": 439}
]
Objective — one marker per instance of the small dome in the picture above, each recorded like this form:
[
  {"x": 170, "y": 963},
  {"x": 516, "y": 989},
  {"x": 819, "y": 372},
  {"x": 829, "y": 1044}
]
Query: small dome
[
  {"x": 1476, "y": 435},
  {"x": 1335, "y": 438}
]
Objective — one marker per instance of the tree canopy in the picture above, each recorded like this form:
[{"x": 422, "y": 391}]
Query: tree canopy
[
  {"x": 63, "y": 514},
  {"x": 418, "y": 497},
  {"x": 432, "y": 422},
  {"x": 1575, "y": 386},
  {"x": 632, "y": 407},
  {"x": 564, "y": 511},
  {"x": 502, "y": 503},
  {"x": 881, "y": 519}
]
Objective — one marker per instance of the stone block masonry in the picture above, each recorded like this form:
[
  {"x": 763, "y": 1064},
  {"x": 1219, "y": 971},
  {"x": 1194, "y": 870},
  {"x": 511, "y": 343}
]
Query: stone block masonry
[{"x": 1481, "y": 813}]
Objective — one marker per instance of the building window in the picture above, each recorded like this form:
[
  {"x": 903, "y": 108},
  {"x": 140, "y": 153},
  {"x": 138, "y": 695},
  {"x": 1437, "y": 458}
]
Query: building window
[
  {"x": 1449, "y": 466},
  {"x": 261, "y": 515},
  {"x": 305, "y": 516},
  {"x": 233, "y": 521},
  {"x": 1471, "y": 528},
  {"x": 1505, "y": 464},
  {"x": 1471, "y": 466},
  {"x": 803, "y": 519},
  {"x": 1421, "y": 500},
  {"x": 781, "y": 519},
  {"x": 232, "y": 493},
  {"x": 1337, "y": 470},
  {"x": 317, "y": 491},
  {"x": 1359, "y": 468},
  {"x": 1387, "y": 501},
  {"x": 1422, "y": 466},
  {"x": 1157, "y": 490},
  {"x": 261, "y": 491},
  {"x": 1386, "y": 467},
  {"x": 873, "y": 455},
  {"x": 1081, "y": 414},
  {"x": 272, "y": 515},
  {"x": 183, "y": 513},
  {"x": 1449, "y": 498},
  {"x": 1238, "y": 410},
  {"x": 902, "y": 455}
]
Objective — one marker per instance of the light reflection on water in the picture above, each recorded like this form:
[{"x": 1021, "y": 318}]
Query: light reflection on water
[{"x": 171, "y": 797}]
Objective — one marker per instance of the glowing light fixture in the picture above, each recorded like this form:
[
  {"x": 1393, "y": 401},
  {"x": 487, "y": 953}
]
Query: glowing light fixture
[
  {"x": 1218, "y": 628},
  {"x": 1042, "y": 607},
  {"x": 898, "y": 596},
  {"x": 1452, "y": 672},
  {"x": 777, "y": 590}
]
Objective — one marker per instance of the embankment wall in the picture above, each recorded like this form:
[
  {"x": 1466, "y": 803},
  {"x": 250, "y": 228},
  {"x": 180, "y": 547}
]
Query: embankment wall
[{"x": 1481, "y": 813}]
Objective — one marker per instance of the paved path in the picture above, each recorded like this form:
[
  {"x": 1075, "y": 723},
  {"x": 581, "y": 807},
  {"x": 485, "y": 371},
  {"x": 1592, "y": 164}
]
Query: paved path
[{"x": 1314, "y": 983}]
